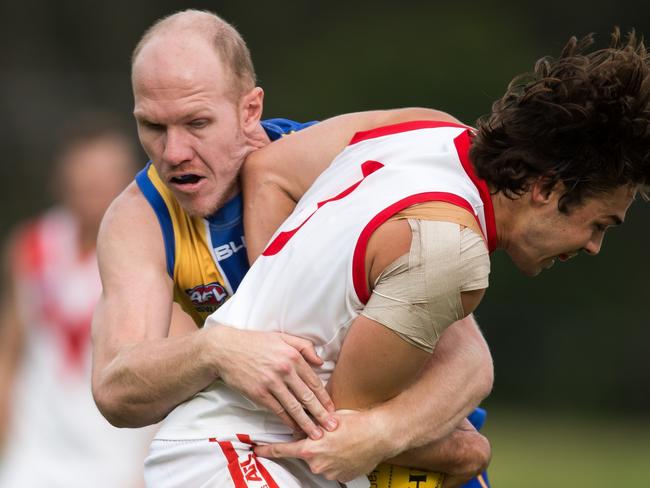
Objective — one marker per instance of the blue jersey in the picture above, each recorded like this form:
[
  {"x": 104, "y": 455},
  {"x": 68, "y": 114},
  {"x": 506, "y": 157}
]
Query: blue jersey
[{"x": 205, "y": 257}]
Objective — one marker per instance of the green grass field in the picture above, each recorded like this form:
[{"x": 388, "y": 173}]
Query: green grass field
[{"x": 535, "y": 451}]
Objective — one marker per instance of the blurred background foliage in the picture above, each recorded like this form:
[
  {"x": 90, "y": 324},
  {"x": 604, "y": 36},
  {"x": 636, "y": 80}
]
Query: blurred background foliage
[{"x": 576, "y": 339}]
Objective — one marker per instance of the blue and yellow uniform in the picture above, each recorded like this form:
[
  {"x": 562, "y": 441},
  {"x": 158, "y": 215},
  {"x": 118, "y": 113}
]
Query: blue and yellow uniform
[{"x": 206, "y": 257}]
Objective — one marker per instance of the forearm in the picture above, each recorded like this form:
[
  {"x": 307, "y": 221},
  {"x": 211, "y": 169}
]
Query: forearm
[
  {"x": 266, "y": 206},
  {"x": 145, "y": 381},
  {"x": 453, "y": 382},
  {"x": 461, "y": 455}
]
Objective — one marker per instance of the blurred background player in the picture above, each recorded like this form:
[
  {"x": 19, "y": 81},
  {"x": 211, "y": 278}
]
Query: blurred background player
[{"x": 51, "y": 432}]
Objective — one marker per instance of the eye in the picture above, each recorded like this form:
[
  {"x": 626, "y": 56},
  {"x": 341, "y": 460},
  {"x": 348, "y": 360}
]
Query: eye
[
  {"x": 198, "y": 123},
  {"x": 151, "y": 125},
  {"x": 600, "y": 227}
]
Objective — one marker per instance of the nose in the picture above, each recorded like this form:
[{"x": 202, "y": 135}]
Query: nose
[
  {"x": 595, "y": 243},
  {"x": 178, "y": 148}
]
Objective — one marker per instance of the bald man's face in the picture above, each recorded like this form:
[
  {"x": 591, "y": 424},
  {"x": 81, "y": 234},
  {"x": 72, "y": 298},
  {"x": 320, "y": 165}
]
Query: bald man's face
[{"x": 187, "y": 122}]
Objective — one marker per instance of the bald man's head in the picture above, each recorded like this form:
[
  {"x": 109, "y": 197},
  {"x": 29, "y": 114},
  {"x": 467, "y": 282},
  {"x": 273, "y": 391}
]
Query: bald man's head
[{"x": 190, "y": 26}]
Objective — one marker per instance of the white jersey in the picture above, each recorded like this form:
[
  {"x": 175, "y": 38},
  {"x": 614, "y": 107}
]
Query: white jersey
[
  {"x": 311, "y": 280},
  {"x": 57, "y": 436}
]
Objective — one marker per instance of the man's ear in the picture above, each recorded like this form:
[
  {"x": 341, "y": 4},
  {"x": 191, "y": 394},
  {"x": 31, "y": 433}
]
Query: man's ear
[
  {"x": 250, "y": 107},
  {"x": 543, "y": 191}
]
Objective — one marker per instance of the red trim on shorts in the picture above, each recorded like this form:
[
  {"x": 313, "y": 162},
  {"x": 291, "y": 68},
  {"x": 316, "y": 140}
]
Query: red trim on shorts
[
  {"x": 246, "y": 439},
  {"x": 402, "y": 127},
  {"x": 462, "y": 143},
  {"x": 367, "y": 168},
  {"x": 265, "y": 474},
  {"x": 359, "y": 256},
  {"x": 233, "y": 463}
]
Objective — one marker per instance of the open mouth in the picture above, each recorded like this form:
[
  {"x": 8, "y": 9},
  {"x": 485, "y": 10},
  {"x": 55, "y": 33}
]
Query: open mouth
[
  {"x": 189, "y": 179},
  {"x": 565, "y": 257}
]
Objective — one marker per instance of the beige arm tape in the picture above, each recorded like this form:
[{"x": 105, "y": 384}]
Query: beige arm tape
[{"x": 418, "y": 295}]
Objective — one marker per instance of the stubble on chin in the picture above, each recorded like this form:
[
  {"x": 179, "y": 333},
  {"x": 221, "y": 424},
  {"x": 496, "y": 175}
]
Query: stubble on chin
[{"x": 210, "y": 208}]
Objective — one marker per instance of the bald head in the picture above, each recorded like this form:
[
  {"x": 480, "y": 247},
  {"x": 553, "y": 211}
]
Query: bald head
[{"x": 189, "y": 31}]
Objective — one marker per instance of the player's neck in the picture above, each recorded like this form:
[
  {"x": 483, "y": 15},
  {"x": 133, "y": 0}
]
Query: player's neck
[
  {"x": 505, "y": 216},
  {"x": 258, "y": 138}
]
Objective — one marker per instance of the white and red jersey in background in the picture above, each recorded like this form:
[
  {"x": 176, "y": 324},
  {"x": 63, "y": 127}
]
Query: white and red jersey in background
[{"x": 57, "y": 436}]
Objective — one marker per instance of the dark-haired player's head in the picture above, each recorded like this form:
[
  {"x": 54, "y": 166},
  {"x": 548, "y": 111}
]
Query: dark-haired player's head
[{"x": 575, "y": 133}]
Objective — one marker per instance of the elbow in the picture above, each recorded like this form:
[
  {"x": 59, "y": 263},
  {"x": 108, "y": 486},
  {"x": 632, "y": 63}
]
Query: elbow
[
  {"x": 483, "y": 373},
  {"x": 475, "y": 458},
  {"x": 485, "y": 380},
  {"x": 118, "y": 411},
  {"x": 108, "y": 406}
]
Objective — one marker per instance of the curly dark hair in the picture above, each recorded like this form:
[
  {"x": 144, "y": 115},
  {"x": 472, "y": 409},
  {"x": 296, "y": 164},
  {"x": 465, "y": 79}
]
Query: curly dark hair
[{"x": 582, "y": 120}]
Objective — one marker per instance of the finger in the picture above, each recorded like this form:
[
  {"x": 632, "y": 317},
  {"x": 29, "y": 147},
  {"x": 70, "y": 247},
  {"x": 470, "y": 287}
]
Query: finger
[
  {"x": 305, "y": 347},
  {"x": 282, "y": 449},
  {"x": 295, "y": 410},
  {"x": 312, "y": 382},
  {"x": 274, "y": 406},
  {"x": 311, "y": 393}
]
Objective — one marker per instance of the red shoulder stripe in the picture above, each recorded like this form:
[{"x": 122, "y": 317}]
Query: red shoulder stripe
[{"x": 402, "y": 127}]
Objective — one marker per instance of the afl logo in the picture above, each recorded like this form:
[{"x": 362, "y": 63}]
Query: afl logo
[{"x": 212, "y": 294}]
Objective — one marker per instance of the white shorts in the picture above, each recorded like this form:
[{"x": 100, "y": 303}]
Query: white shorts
[{"x": 228, "y": 462}]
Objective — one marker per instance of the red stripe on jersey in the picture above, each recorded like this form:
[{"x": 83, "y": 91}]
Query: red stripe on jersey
[
  {"x": 402, "y": 127},
  {"x": 359, "y": 257},
  {"x": 367, "y": 168},
  {"x": 462, "y": 143},
  {"x": 233, "y": 463}
]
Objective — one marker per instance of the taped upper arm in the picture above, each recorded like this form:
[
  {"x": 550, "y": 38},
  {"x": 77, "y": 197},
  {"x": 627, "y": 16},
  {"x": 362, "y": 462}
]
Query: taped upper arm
[{"x": 440, "y": 280}]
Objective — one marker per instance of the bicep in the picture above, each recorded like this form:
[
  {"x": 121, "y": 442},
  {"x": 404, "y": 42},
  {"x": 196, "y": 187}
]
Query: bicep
[
  {"x": 374, "y": 365},
  {"x": 137, "y": 292}
]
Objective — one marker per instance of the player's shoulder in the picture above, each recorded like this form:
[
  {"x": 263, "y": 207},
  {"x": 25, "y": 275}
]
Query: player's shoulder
[
  {"x": 129, "y": 207},
  {"x": 129, "y": 221}
]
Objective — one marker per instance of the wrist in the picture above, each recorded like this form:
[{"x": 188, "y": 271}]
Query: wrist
[
  {"x": 390, "y": 439},
  {"x": 211, "y": 343}
]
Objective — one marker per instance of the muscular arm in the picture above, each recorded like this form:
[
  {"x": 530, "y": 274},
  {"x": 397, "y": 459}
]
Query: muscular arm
[
  {"x": 433, "y": 435},
  {"x": 375, "y": 365},
  {"x": 276, "y": 177},
  {"x": 139, "y": 374},
  {"x": 141, "y": 371}
]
